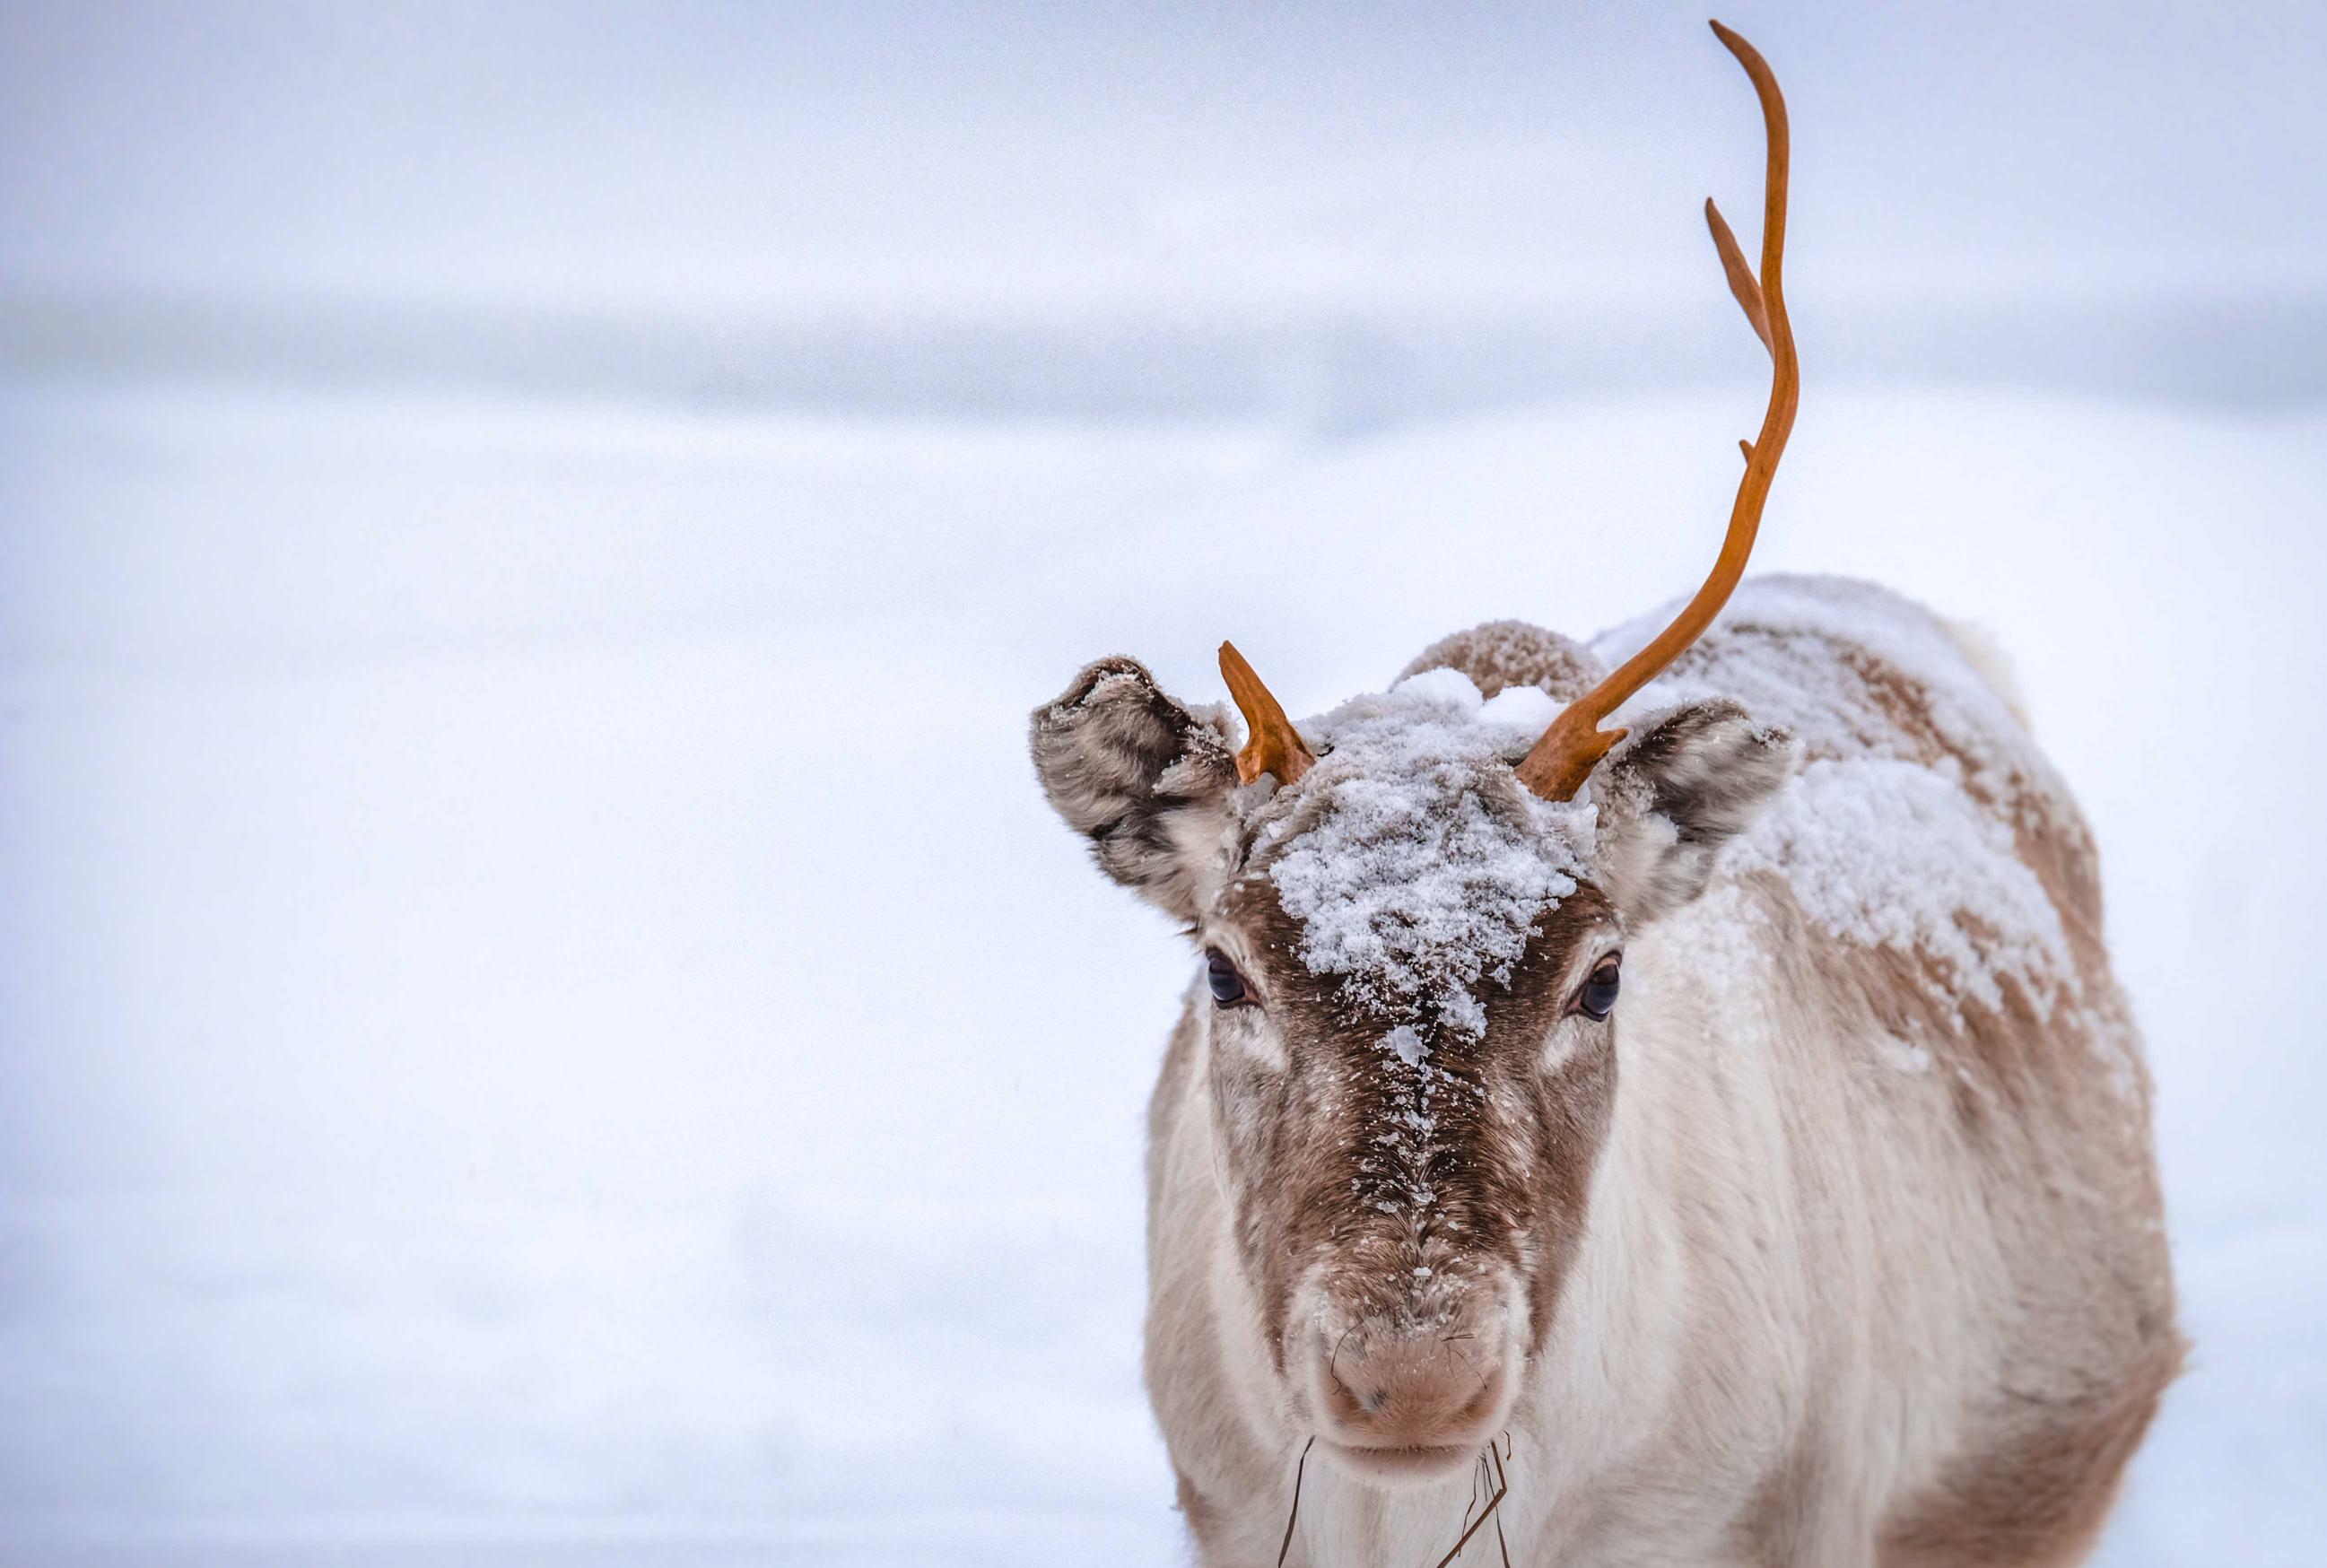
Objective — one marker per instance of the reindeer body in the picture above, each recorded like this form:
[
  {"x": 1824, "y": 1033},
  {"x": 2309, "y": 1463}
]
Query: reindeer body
[
  {"x": 1870, "y": 1268},
  {"x": 1838, "y": 1242}
]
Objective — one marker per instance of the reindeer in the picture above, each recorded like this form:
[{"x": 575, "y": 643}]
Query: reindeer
[{"x": 1837, "y": 1240}]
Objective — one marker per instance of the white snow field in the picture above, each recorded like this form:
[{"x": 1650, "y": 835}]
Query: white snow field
[{"x": 543, "y": 1018}]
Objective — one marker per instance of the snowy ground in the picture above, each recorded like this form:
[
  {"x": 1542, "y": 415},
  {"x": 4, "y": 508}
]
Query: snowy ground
[{"x": 543, "y": 1018}]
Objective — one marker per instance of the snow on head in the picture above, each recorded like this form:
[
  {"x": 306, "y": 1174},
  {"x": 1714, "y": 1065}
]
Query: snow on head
[{"x": 1418, "y": 867}]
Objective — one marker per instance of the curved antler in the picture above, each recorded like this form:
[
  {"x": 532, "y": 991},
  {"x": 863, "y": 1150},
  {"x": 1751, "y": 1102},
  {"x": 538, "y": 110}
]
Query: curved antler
[
  {"x": 1559, "y": 762},
  {"x": 1272, "y": 745}
]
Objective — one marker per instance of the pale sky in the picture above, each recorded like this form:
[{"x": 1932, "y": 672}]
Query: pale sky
[{"x": 1048, "y": 157}]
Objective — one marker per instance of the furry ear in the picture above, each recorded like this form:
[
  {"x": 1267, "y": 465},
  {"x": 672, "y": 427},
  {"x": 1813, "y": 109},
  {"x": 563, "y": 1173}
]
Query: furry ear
[
  {"x": 1673, "y": 792},
  {"x": 1146, "y": 780}
]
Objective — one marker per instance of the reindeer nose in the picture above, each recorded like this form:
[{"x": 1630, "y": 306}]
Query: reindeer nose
[{"x": 1417, "y": 1389}]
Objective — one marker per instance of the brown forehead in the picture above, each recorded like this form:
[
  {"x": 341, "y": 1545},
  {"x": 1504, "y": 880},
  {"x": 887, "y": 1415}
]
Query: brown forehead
[
  {"x": 1540, "y": 976},
  {"x": 1250, "y": 903}
]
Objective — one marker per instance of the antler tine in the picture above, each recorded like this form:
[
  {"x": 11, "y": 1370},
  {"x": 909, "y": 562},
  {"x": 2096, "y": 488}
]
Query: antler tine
[
  {"x": 1272, "y": 745},
  {"x": 1560, "y": 761},
  {"x": 1740, "y": 276}
]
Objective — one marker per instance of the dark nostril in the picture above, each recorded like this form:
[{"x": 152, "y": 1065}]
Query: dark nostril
[{"x": 1409, "y": 1389}]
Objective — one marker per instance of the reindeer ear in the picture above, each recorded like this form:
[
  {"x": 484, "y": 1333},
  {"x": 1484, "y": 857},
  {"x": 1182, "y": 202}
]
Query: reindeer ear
[
  {"x": 1146, "y": 780},
  {"x": 1672, "y": 793}
]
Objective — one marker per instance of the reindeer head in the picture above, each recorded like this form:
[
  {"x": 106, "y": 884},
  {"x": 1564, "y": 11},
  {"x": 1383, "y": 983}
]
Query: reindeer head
[{"x": 1412, "y": 914}]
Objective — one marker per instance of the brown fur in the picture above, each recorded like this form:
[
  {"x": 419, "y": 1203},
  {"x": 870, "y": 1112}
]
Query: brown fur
[
  {"x": 2037, "y": 1491},
  {"x": 1508, "y": 653},
  {"x": 1511, "y": 1162},
  {"x": 1777, "y": 1529}
]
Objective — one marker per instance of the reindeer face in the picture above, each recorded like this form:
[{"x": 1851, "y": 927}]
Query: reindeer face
[
  {"x": 1412, "y": 967},
  {"x": 1412, "y": 1091}
]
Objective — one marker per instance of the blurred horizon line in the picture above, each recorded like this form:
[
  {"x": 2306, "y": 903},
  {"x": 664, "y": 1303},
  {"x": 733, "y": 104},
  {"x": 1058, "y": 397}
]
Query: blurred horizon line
[{"x": 1328, "y": 365}]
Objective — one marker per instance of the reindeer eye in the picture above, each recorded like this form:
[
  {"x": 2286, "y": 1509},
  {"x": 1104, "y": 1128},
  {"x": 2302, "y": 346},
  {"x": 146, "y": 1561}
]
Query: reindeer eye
[
  {"x": 1227, "y": 985},
  {"x": 1598, "y": 997}
]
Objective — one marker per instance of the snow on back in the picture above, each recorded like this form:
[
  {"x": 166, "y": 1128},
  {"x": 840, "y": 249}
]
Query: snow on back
[
  {"x": 1804, "y": 654},
  {"x": 1889, "y": 855},
  {"x": 1900, "y": 831},
  {"x": 1417, "y": 868}
]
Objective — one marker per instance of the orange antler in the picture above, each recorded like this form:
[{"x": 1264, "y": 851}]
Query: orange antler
[
  {"x": 1572, "y": 747},
  {"x": 1271, "y": 745}
]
